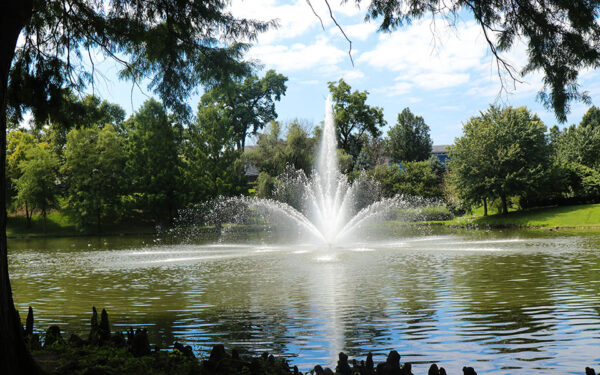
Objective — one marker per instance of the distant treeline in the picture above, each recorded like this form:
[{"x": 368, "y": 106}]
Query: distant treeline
[{"x": 99, "y": 167}]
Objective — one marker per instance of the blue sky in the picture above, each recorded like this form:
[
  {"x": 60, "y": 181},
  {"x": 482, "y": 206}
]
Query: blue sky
[{"x": 443, "y": 73}]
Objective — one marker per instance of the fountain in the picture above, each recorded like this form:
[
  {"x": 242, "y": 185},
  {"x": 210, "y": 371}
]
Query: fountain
[{"x": 328, "y": 212}]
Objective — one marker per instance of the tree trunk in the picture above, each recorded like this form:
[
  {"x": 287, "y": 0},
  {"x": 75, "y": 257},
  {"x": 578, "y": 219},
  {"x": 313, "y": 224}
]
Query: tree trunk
[
  {"x": 44, "y": 215},
  {"x": 27, "y": 216},
  {"x": 484, "y": 206},
  {"x": 14, "y": 354},
  {"x": 504, "y": 204}
]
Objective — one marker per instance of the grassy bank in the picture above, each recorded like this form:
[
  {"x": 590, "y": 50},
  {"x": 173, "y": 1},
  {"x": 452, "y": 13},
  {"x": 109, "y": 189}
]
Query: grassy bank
[
  {"x": 579, "y": 216},
  {"x": 60, "y": 225}
]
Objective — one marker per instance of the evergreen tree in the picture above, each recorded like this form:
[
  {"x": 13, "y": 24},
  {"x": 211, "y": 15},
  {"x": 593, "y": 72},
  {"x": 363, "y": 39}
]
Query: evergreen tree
[
  {"x": 94, "y": 172},
  {"x": 152, "y": 162},
  {"x": 409, "y": 139}
]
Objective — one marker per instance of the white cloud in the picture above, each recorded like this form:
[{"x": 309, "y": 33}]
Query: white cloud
[
  {"x": 350, "y": 75},
  {"x": 321, "y": 55},
  {"x": 295, "y": 17},
  {"x": 397, "y": 89},
  {"x": 434, "y": 57},
  {"x": 356, "y": 32}
]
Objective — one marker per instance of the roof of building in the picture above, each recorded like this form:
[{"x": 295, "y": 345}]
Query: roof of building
[{"x": 439, "y": 149}]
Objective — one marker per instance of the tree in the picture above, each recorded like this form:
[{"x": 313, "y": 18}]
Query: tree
[
  {"x": 591, "y": 118},
  {"x": 152, "y": 161},
  {"x": 93, "y": 169},
  {"x": 267, "y": 156},
  {"x": 90, "y": 111},
  {"x": 363, "y": 161},
  {"x": 414, "y": 178},
  {"x": 562, "y": 36},
  {"x": 213, "y": 165},
  {"x": 37, "y": 186},
  {"x": 579, "y": 144},
  {"x": 502, "y": 153},
  {"x": 353, "y": 117},
  {"x": 298, "y": 149},
  {"x": 273, "y": 155},
  {"x": 178, "y": 44},
  {"x": 249, "y": 102},
  {"x": 409, "y": 139},
  {"x": 19, "y": 143}
]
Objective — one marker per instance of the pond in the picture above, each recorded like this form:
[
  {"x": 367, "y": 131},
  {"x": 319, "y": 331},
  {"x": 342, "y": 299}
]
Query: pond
[{"x": 498, "y": 301}]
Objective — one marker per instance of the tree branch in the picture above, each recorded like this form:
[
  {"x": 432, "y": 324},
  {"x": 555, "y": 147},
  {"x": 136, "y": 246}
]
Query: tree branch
[{"x": 342, "y": 30}]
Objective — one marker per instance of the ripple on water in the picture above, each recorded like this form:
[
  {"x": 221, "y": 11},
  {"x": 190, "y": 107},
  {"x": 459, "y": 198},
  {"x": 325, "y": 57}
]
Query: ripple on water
[{"x": 483, "y": 299}]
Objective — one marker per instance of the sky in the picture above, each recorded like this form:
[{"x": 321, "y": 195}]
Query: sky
[{"x": 444, "y": 73}]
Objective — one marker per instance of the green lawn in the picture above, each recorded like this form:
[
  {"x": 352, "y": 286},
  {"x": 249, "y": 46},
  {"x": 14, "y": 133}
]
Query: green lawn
[{"x": 587, "y": 215}]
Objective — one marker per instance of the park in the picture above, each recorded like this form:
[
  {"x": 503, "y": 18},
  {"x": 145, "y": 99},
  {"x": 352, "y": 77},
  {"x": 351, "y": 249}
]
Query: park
[{"x": 284, "y": 187}]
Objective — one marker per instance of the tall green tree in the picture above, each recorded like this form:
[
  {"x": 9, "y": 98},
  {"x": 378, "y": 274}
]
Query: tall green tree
[
  {"x": 213, "y": 165},
  {"x": 90, "y": 111},
  {"x": 591, "y": 117},
  {"x": 37, "y": 186},
  {"x": 177, "y": 44},
  {"x": 409, "y": 139},
  {"x": 299, "y": 147},
  {"x": 562, "y": 37},
  {"x": 579, "y": 144},
  {"x": 93, "y": 171},
  {"x": 273, "y": 154},
  {"x": 152, "y": 162},
  {"x": 354, "y": 117},
  {"x": 502, "y": 153},
  {"x": 414, "y": 178},
  {"x": 19, "y": 143},
  {"x": 249, "y": 102}
]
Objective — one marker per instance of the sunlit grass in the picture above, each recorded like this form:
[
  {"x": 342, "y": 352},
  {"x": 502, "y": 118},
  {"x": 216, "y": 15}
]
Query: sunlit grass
[{"x": 587, "y": 215}]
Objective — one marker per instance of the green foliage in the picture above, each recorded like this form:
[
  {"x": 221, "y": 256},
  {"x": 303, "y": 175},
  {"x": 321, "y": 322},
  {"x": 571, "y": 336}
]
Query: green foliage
[
  {"x": 414, "y": 178},
  {"x": 212, "y": 164},
  {"x": 152, "y": 161},
  {"x": 354, "y": 118},
  {"x": 363, "y": 161},
  {"x": 90, "y": 111},
  {"x": 591, "y": 118},
  {"x": 561, "y": 36},
  {"x": 248, "y": 102},
  {"x": 93, "y": 169},
  {"x": 578, "y": 144},
  {"x": 268, "y": 156},
  {"x": 409, "y": 139},
  {"x": 37, "y": 186},
  {"x": 298, "y": 147},
  {"x": 265, "y": 185},
  {"x": 502, "y": 153},
  {"x": 345, "y": 160},
  {"x": 19, "y": 142},
  {"x": 582, "y": 182},
  {"x": 177, "y": 44},
  {"x": 273, "y": 155}
]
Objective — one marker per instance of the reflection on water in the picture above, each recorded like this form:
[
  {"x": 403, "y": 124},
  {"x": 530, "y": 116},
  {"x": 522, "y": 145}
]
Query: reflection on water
[{"x": 497, "y": 301}]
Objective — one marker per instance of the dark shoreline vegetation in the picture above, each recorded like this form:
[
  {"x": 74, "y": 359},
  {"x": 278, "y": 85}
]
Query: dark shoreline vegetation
[
  {"x": 105, "y": 353},
  {"x": 583, "y": 217}
]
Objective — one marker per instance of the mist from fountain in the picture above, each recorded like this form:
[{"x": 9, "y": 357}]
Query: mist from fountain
[{"x": 329, "y": 209}]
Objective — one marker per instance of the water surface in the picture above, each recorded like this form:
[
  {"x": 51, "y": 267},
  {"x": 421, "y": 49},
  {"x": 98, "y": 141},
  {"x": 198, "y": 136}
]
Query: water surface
[{"x": 495, "y": 300}]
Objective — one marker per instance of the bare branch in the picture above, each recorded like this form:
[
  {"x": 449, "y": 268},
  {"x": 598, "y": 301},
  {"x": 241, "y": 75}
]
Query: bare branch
[
  {"x": 315, "y": 13},
  {"x": 501, "y": 64},
  {"x": 342, "y": 30}
]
